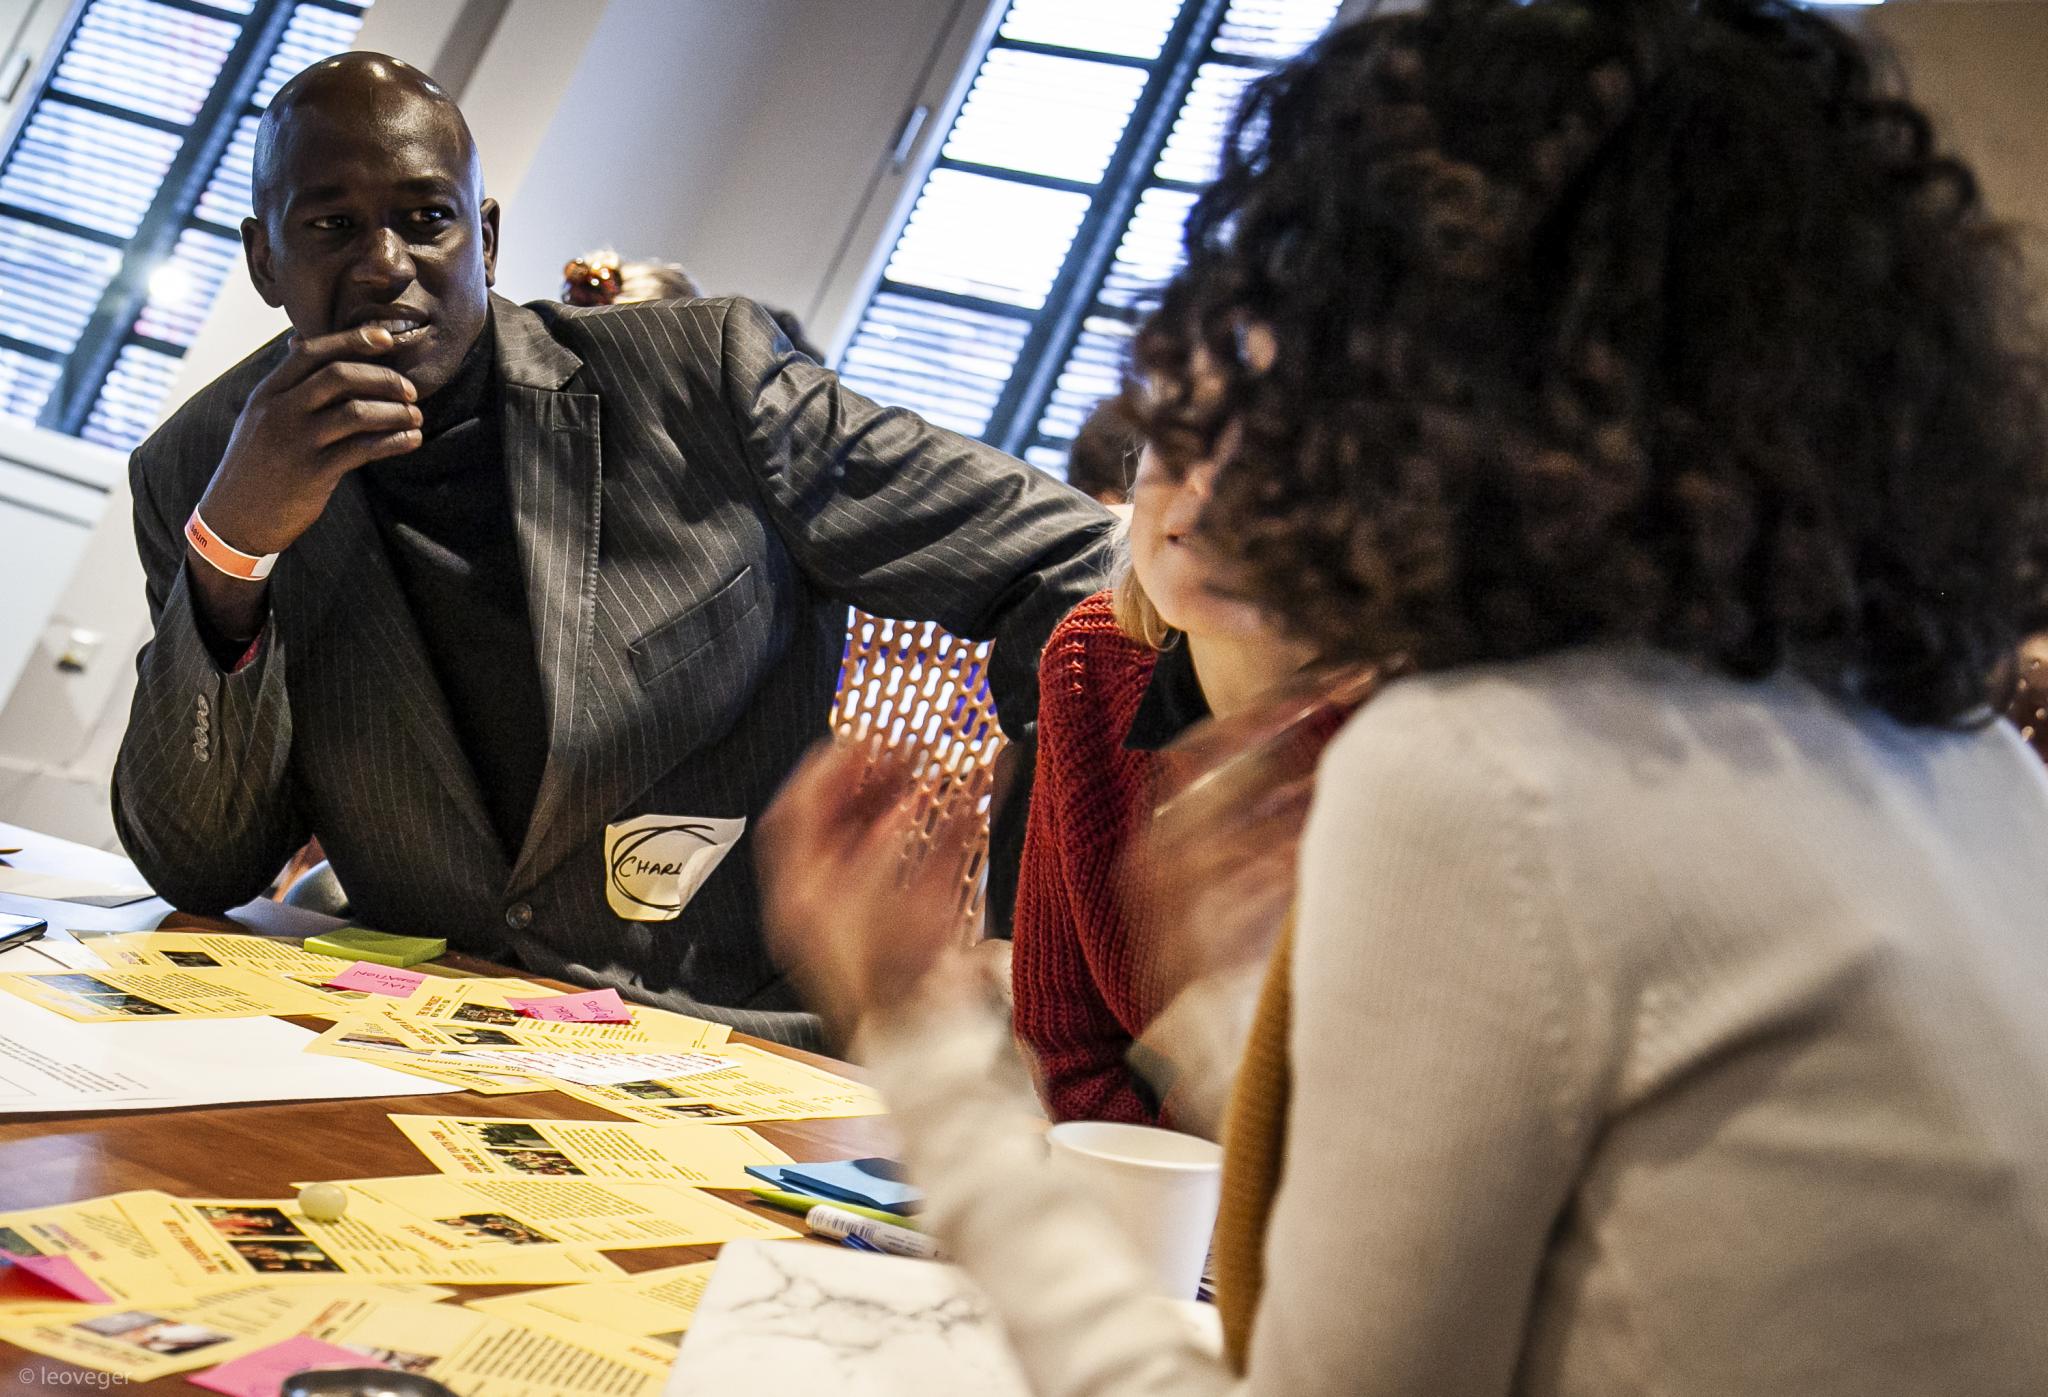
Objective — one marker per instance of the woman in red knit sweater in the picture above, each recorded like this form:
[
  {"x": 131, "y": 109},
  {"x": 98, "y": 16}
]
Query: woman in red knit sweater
[{"x": 1124, "y": 674}]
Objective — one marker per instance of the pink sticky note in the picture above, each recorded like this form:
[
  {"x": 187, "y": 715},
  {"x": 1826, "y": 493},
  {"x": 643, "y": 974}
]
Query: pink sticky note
[
  {"x": 592, "y": 1006},
  {"x": 378, "y": 979},
  {"x": 62, "y": 1273},
  {"x": 262, "y": 1373}
]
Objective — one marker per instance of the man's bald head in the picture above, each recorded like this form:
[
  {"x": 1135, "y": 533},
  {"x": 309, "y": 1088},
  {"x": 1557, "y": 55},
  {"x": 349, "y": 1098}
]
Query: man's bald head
[
  {"x": 350, "y": 91},
  {"x": 369, "y": 211}
]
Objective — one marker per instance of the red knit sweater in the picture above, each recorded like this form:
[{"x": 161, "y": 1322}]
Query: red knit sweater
[{"x": 1081, "y": 948}]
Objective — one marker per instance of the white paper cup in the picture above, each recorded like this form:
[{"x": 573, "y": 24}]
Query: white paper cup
[{"x": 1161, "y": 1187}]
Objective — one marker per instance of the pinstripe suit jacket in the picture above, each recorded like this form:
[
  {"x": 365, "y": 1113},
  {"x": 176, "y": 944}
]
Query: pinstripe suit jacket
[{"x": 695, "y": 508}]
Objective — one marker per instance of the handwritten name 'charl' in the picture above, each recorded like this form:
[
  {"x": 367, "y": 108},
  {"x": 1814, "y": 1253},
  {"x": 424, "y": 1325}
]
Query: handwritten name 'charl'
[
  {"x": 654, "y": 864},
  {"x": 632, "y": 867}
]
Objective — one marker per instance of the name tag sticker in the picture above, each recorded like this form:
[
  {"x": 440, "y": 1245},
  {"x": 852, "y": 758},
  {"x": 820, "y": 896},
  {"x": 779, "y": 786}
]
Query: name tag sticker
[{"x": 654, "y": 864}]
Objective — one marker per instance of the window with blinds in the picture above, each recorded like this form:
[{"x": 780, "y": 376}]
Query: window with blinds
[
  {"x": 121, "y": 194},
  {"x": 1055, "y": 206}
]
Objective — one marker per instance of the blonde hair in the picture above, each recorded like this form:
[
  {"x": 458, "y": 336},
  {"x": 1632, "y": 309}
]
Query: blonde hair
[
  {"x": 1135, "y": 614},
  {"x": 655, "y": 281}
]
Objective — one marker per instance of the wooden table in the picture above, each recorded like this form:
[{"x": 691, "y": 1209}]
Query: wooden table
[{"x": 257, "y": 1151}]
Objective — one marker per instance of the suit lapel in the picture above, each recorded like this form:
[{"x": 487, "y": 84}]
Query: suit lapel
[
  {"x": 552, "y": 462},
  {"x": 342, "y": 555}
]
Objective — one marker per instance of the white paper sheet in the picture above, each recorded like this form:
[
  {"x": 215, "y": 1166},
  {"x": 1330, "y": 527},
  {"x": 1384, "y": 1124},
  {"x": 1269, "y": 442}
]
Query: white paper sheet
[
  {"x": 23, "y": 882},
  {"x": 49, "y": 1063},
  {"x": 778, "y": 1317}
]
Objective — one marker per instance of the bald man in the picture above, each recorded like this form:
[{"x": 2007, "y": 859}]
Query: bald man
[{"x": 526, "y": 611}]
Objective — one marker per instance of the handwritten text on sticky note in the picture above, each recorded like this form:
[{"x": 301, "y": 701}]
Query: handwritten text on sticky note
[
  {"x": 378, "y": 979},
  {"x": 592, "y": 1006}
]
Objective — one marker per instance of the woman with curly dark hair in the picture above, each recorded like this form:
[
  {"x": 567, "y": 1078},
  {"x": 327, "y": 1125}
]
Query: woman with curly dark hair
[{"x": 1666, "y": 1009}]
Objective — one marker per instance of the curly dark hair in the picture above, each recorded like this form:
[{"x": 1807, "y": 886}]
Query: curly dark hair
[{"x": 1519, "y": 326}]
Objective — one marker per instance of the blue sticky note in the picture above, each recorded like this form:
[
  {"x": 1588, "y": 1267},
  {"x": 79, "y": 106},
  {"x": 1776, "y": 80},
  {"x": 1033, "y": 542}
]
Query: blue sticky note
[{"x": 874, "y": 1182}]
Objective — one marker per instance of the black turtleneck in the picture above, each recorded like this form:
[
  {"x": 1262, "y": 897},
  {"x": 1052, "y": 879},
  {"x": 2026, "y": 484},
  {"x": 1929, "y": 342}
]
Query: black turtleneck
[{"x": 446, "y": 516}]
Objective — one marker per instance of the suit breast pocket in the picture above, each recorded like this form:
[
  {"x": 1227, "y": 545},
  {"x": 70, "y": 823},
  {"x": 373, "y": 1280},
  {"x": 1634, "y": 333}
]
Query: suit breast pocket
[{"x": 696, "y": 633}]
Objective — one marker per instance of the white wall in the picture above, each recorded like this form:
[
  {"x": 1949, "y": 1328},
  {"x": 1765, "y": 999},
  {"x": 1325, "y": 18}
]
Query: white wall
[{"x": 742, "y": 138}]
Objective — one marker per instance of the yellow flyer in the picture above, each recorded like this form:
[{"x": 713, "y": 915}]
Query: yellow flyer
[
  {"x": 137, "y": 1345},
  {"x": 371, "y": 1040},
  {"x": 586, "y": 1066},
  {"x": 544, "y": 1213},
  {"x": 759, "y": 1086},
  {"x": 521, "y": 1034},
  {"x": 217, "y": 1241},
  {"x": 456, "y": 1004},
  {"x": 205, "y": 950},
  {"x": 336, "y": 1001},
  {"x": 707, "y": 1156},
  {"x": 453, "y": 997},
  {"x": 480, "y": 1355},
  {"x": 438, "y": 987},
  {"x": 653, "y": 1307},
  {"x": 650, "y": 1028},
  {"x": 117, "y": 996},
  {"x": 103, "y": 1241}
]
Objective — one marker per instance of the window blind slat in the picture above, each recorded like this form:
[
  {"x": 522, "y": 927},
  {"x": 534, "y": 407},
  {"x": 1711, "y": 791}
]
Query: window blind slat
[
  {"x": 972, "y": 233},
  {"x": 127, "y": 405},
  {"x": 988, "y": 238},
  {"x": 1094, "y": 371},
  {"x": 1150, "y": 250},
  {"x": 314, "y": 32},
  {"x": 87, "y": 168},
  {"x": 144, "y": 57},
  {"x": 1049, "y": 116},
  {"x": 1131, "y": 28},
  {"x": 946, "y": 363},
  {"x": 1261, "y": 33},
  {"x": 225, "y": 200},
  {"x": 182, "y": 290},
  {"x": 53, "y": 281},
  {"x": 1273, "y": 31},
  {"x": 93, "y": 172},
  {"x": 25, "y": 385},
  {"x": 1194, "y": 148}
]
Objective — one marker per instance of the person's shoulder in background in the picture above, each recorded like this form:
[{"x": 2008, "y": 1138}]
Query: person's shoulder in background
[{"x": 1091, "y": 668}]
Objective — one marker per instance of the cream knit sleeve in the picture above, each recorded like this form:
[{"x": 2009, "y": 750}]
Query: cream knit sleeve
[
  {"x": 1445, "y": 1052},
  {"x": 1070, "y": 1293}
]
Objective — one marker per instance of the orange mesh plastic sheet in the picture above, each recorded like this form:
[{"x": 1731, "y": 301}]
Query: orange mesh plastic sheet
[{"x": 917, "y": 688}]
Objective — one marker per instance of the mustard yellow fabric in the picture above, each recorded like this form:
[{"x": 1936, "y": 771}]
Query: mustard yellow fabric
[{"x": 1254, "y": 1136}]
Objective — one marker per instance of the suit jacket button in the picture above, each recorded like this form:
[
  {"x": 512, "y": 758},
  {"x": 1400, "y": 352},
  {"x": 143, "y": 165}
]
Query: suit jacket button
[{"x": 519, "y": 916}]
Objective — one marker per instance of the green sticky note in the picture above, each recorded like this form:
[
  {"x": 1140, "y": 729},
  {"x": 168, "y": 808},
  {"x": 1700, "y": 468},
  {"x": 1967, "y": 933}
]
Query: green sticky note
[{"x": 377, "y": 947}]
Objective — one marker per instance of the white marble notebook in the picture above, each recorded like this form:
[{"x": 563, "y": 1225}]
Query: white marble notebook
[{"x": 828, "y": 1322}]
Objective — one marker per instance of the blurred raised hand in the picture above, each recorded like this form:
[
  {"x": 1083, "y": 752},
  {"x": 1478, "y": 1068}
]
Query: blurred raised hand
[
  {"x": 1218, "y": 859},
  {"x": 862, "y": 885}
]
